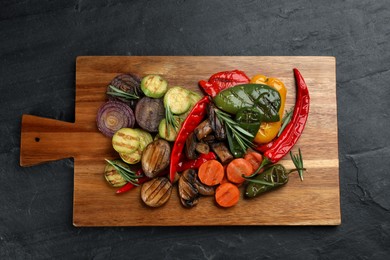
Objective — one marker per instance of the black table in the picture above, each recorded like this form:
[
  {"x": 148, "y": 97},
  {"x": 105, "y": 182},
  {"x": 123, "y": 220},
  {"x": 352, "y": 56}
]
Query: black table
[{"x": 40, "y": 41}]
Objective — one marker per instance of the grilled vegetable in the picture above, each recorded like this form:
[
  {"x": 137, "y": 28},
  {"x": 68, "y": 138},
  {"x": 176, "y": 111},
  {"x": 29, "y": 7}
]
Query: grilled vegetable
[
  {"x": 227, "y": 195},
  {"x": 223, "y": 153},
  {"x": 112, "y": 176},
  {"x": 156, "y": 192},
  {"x": 269, "y": 130},
  {"x": 155, "y": 157},
  {"x": 194, "y": 118},
  {"x": 112, "y": 116},
  {"x": 154, "y": 86},
  {"x": 203, "y": 129},
  {"x": 126, "y": 140},
  {"x": 144, "y": 139},
  {"x": 149, "y": 112},
  {"x": 190, "y": 147},
  {"x": 223, "y": 80},
  {"x": 167, "y": 131},
  {"x": 202, "y": 148},
  {"x": 189, "y": 195},
  {"x": 217, "y": 126},
  {"x": 177, "y": 100},
  {"x": 261, "y": 97},
  {"x": 211, "y": 173},
  {"x": 273, "y": 177},
  {"x": 125, "y": 88}
]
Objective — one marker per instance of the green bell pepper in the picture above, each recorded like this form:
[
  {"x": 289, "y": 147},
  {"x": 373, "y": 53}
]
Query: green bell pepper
[{"x": 265, "y": 99}]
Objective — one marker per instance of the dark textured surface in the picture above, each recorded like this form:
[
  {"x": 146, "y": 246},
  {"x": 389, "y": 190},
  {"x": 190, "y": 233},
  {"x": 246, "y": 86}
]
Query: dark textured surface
[{"x": 40, "y": 41}]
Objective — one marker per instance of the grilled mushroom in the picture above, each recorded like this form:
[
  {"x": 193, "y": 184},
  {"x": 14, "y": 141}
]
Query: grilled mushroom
[
  {"x": 222, "y": 151},
  {"x": 215, "y": 123},
  {"x": 204, "y": 189},
  {"x": 187, "y": 191},
  {"x": 203, "y": 129},
  {"x": 202, "y": 148},
  {"x": 190, "y": 147},
  {"x": 156, "y": 192},
  {"x": 190, "y": 188}
]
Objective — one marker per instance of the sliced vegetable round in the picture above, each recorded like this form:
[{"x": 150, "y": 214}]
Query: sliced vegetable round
[
  {"x": 112, "y": 176},
  {"x": 155, "y": 157},
  {"x": 154, "y": 86},
  {"x": 112, "y": 116},
  {"x": 145, "y": 138},
  {"x": 149, "y": 112},
  {"x": 131, "y": 158},
  {"x": 156, "y": 192},
  {"x": 127, "y": 83},
  {"x": 227, "y": 195},
  {"x": 177, "y": 100},
  {"x": 167, "y": 131},
  {"x": 126, "y": 140}
]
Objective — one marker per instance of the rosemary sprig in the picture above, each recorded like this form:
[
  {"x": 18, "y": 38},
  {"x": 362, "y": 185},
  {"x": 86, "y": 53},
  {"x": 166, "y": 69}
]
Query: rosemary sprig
[
  {"x": 286, "y": 119},
  {"x": 234, "y": 130},
  {"x": 116, "y": 92},
  {"x": 261, "y": 181},
  {"x": 170, "y": 119},
  {"x": 298, "y": 162},
  {"x": 126, "y": 174}
]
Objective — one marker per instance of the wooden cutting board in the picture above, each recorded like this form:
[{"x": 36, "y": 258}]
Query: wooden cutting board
[{"x": 315, "y": 201}]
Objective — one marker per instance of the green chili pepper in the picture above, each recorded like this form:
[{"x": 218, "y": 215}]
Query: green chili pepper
[
  {"x": 273, "y": 177},
  {"x": 265, "y": 99}
]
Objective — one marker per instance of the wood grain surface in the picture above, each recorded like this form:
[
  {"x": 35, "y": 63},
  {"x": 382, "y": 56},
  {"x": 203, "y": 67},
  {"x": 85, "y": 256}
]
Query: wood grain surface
[{"x": 315, "y": 201}]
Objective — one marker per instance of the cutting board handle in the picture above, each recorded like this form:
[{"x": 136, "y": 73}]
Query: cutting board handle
[{"x": 44, "y": 140}]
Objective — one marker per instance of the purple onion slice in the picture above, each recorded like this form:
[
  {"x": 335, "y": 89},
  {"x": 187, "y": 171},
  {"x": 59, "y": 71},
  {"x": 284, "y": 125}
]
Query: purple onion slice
[
  {"x": 112, "y": 116},
  {"x": 129, "y": 85}
]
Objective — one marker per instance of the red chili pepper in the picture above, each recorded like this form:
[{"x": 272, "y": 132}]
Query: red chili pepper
[
  {"x": 264, "y": 147},
  {"x": 223, "y": 80},
  {"x": 195, "y": 164},
  {"x": 283, "y": 144},
  {"x": 192, "y": 121},
  {"x": 128, "y": 186}
]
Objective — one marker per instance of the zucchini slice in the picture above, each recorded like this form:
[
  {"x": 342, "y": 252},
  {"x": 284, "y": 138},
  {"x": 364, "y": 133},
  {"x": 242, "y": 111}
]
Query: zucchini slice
[
  {"x": 166, "y": 133},
  {"x": 178, "y": 100},
  {"x": 125, "y": 140},
  {"x": 154, "y": 86},
  {"x": 131, "y": 158}
]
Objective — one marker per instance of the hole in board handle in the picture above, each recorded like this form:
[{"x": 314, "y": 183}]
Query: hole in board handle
[{"x": 37, "y": 139}]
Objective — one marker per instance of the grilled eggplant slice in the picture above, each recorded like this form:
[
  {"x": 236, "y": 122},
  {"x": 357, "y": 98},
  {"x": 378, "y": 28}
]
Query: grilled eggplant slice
[
  {"x": 155, "y": 157},
  {"x": 156, "y": 192}
]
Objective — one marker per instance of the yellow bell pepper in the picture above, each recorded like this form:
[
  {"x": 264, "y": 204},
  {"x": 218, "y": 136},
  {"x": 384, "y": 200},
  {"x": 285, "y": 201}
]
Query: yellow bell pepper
[{"x": 268, "y": 130}]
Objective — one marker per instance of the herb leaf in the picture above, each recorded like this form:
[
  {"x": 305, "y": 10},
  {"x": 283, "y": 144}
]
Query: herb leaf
[
  {"x": 234, "y": 130},
  {"x": 298, "y": 162},
  {"x": 127, "y": 174},
  {"x": 116, "y": 92}
]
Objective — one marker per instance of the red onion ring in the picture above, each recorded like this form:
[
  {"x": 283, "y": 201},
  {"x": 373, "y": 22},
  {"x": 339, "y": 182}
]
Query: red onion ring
[{"x": 112, "y": 116}]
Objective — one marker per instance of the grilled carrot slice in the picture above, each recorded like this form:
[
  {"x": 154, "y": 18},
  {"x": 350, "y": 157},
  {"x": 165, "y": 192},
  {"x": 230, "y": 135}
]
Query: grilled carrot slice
[
  {"x": 227, "y": 195},
  {"x": 211, "y": 173}
]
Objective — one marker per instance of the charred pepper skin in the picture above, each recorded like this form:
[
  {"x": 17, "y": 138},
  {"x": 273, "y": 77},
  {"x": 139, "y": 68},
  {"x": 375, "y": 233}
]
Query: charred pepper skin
[
  {"x": 193, "y": 119},
  {"x": 223, "y": 80},
  {"x": 275, "y": 174},
  {"x": 282, "y": 145}
]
